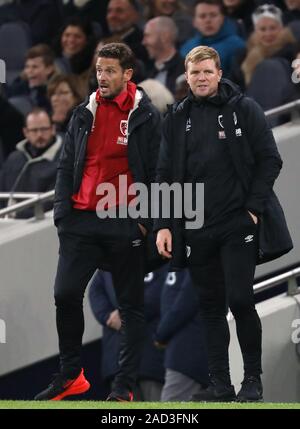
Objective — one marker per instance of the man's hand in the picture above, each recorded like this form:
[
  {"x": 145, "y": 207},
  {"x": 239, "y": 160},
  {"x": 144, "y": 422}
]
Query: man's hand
[
  {"x": 164, "y": 243},
  {"x": 143, "y": 229},
  {"x": 255, "y": 220},
  {"x": 114, "y": 320}
]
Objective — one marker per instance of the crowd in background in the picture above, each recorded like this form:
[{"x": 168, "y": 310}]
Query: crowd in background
[{"x": 50, "y": 49}]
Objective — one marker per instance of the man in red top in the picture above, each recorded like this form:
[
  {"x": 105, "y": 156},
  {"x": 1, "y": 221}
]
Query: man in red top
[{"x": 115, "y": 132}]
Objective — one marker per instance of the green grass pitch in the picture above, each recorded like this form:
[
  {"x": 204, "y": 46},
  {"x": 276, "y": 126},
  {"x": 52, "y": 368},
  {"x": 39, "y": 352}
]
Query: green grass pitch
[{"x": 100, "y": 405}]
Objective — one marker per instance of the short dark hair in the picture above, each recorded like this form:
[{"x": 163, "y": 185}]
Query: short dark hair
[
  {"x": 119, "y": 51},
  {"x": 41, "y": 50},
  {"x": 212, "y": 3},
  {"x": 70, "y": 80},
  {"x": 37, "y": 111}
]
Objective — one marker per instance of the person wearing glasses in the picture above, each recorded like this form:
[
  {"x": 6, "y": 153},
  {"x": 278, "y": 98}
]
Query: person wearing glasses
[{"x": 32, "y": 166}]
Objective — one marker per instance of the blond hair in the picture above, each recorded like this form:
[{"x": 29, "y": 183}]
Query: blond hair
[{"x": 201, "y": 53}]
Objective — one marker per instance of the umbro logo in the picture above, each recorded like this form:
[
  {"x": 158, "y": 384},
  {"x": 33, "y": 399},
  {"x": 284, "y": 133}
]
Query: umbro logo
[
  {"x": 188, "y": 251},
  {"x": 188, "y": 125},
  {"x": 136, "y": 243},
  {"x": 249, "y": 238}
]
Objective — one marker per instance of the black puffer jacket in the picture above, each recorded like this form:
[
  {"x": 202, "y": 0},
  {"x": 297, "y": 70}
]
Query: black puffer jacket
[
  {"x": 144, "y": 134},
  {"x": 255, "y": 152}
]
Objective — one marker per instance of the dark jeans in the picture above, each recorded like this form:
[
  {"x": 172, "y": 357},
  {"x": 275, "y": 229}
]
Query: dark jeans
[
  {"x": 222, "y": 265},
  {"x": 86, "y": 243}
]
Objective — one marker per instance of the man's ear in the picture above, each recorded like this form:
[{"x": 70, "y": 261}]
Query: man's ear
[
  {"x": 220, "y": 74},
  {"x": 128, "y": 73}
]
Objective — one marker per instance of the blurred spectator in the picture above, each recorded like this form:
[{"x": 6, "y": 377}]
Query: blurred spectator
[
  {"x": 293, "y": 12},
  {"x": 105, "y": 309},
  {"x": 122, "y": 18},
  {"x": 158, "y": 94},
  {"x": 265, "y": 73},
  {"x": 175, "y": 9},
  {"x": 181, "y": 87},
  {"x": 93, "y": 10},
  {"x": 216, "y": 31},
  {"x": 64, "y": 96},
  {"x": 160, "y": 41},
  {"x": 11, "y": 125},
  {"x": 75, "y": 49},
  {"x": 269, "y": 40},
  {"x": 180, "y": 332},
  {"x": 32, "y": 84},
  {"x": 32, "y": 166},
  {"x": 241, "y": 11}
]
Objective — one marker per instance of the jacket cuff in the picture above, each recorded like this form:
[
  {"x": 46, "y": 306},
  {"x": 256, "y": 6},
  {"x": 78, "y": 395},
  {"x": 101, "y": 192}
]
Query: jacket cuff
[
  {"x": 254, "y": 207},
  {"x": 161, "y": 224}
]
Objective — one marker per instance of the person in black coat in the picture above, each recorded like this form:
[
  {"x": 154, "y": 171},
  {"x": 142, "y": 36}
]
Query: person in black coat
[
  {"x": 180, "y": 332},
  {"x": 104, "y": 306},
  {"x": 220, "y": 138},
  {"x": 113, "y": 134}
]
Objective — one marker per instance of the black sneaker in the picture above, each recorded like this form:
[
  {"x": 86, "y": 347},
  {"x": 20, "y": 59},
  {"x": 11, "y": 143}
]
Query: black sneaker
[
  {"x": 251, "y": 390},
  {"x": 120, "y": 395},
  {"x": 217, "y": 391},
  {"x": 62, "y": 386}
]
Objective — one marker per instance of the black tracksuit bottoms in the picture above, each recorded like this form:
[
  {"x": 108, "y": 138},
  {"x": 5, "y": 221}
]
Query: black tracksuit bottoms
[
  {"x": 88, "y": 243},
  {"x": 222, "y": 265}
]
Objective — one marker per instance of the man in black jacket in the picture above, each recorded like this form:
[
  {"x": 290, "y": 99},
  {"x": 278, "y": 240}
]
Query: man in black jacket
[
  {"x": 116, "y": 132},
  {"x": 220, "y": 138}
]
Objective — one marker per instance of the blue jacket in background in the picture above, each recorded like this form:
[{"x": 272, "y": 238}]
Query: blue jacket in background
[
  {"x": 226, "y": 42},
  {"x": 103, "y": 301},
  {"x": 180, "y": 328}
]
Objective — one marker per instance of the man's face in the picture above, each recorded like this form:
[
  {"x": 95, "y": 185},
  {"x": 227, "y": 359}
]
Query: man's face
[
  {"x": 203, "y": 78},
  {"x": 292, "y": 4},
  {"x": 112, "y": 79},
  {"x": 39, "y": 131},
  {"x": 208, "y": 19},
  {"x": 120, "y": 15},
  {"x": 165, "y": 7},
  {"x": 36, "y": 72},
  {"x": 152, "y": 40}
]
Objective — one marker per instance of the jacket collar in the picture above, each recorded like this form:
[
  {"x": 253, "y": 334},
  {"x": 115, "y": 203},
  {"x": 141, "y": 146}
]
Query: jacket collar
[{"x": 48, "y": 155}]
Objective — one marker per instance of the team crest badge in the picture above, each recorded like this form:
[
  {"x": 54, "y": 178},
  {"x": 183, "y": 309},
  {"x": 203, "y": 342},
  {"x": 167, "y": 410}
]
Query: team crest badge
[{"x": 123, "y": 127}]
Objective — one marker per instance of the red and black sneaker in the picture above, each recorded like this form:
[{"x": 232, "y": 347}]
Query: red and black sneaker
[
  {"x": 61, "y": 386},
  {"x": 120, "y": 396}
]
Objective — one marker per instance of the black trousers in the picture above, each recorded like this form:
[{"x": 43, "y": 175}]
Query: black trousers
[
  {"x": 222, "y": 265},
  {"x": 88, "y": 243}
]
